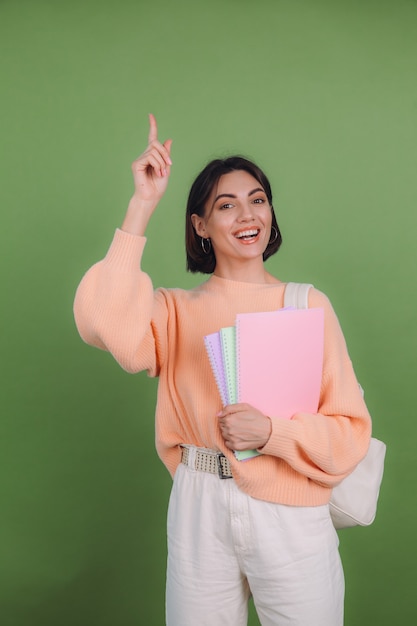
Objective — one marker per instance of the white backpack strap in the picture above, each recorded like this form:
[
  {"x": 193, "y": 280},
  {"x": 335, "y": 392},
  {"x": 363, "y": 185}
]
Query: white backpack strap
[{"x": 296, "y": 295}]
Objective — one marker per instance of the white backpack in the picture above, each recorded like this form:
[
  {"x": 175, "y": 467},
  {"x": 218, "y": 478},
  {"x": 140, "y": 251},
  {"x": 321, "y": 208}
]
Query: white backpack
[{"x": 354, "y": 500}]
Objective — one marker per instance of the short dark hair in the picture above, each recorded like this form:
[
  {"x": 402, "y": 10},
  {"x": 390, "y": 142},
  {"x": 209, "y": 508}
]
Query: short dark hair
[{"x": 197, "y": 259}]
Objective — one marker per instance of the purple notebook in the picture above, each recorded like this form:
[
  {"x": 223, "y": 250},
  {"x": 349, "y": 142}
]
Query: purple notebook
[{"x": 214, "y": 351}]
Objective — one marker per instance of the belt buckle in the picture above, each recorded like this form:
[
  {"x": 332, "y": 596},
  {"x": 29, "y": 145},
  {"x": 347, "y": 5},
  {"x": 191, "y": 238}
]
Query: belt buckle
[{"x": 219, "y": 456}]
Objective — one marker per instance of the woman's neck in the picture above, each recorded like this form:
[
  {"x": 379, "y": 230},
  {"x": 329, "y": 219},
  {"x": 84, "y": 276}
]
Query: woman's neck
[{"x": 245, "y": 272}]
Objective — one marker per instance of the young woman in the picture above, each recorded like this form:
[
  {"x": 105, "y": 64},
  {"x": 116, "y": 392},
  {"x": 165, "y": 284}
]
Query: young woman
[{"x": 266, "y": 529}]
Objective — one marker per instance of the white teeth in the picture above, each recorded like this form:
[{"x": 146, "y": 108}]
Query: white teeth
[{"x": 247, "y": 233}]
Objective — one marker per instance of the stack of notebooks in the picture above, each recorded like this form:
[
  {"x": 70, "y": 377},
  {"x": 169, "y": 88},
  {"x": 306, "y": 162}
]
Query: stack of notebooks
[{"x": 270, "y": 360}]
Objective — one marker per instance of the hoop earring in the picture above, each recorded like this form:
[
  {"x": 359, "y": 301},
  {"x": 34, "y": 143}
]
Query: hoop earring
[
  {"x": 275, "y": 237},
  {"x": 206, "y": 250}
]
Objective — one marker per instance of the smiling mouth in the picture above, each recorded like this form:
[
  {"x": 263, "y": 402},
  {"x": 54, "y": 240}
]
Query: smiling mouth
[{"x": 248, "y": 235}]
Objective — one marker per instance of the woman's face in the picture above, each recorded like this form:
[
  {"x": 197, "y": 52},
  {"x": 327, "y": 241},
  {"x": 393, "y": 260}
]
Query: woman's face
[{"x": 237, "y": 218}]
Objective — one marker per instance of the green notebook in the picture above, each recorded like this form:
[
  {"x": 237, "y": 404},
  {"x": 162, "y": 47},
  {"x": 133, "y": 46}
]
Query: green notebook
[{"x": 228, "y": 343}]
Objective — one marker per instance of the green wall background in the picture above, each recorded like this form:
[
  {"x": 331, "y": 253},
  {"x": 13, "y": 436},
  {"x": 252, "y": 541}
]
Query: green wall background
[{"x": 323, "y": 95}]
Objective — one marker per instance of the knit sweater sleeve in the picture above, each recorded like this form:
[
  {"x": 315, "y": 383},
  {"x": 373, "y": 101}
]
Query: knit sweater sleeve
[
  {"x": 326, "y": 446},
  {"x": 116, "y": 308}
]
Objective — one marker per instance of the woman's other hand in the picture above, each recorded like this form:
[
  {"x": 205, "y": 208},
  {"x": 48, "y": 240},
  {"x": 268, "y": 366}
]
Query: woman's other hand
[
  {"x": 243, "y": 427},
  {"x": 151, "y": 172}
]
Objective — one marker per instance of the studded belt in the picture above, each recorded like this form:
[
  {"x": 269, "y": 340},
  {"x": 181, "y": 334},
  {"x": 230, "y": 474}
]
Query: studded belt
[{"x": 206, "y": 461}]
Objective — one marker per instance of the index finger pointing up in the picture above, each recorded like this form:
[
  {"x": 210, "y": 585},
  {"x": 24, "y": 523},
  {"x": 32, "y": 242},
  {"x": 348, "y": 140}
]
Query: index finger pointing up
[{"x": 153, "y": 129}]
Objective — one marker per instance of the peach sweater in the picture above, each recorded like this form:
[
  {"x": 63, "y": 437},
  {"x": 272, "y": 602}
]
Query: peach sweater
[{"x": 161, "y": 331}]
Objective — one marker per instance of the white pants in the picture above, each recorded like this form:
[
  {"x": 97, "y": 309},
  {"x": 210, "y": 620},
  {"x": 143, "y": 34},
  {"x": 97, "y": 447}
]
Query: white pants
[{"x": 224, "y": 545}]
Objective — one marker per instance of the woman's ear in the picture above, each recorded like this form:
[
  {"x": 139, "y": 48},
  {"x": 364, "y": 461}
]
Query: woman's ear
[{"x": 199, "y": 225}]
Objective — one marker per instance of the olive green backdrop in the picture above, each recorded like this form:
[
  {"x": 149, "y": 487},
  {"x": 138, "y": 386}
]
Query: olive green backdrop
[{"x": 323, "y": 95}]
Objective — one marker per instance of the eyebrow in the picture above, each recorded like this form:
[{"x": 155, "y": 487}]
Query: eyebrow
[{"x": 231, "y": 195}]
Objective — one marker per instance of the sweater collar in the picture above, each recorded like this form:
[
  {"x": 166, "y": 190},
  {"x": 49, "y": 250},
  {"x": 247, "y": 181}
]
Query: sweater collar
[{"x": 225, "y": 284}]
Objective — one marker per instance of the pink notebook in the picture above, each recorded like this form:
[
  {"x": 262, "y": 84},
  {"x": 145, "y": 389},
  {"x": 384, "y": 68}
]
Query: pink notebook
[{"x": 280, "y": 360}]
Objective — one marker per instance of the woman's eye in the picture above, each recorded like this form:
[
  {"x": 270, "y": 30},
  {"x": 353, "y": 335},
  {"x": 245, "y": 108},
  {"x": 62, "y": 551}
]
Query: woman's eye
[
  {"x": 226, "y": 206},
  {"x": 259, "y": 200}
]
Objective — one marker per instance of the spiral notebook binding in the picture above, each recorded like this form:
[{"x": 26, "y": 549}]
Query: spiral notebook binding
[
  {"x": 228, "y": 343},
  {"x": 216, "y": 364},
  {"x": 241, "y": 455}
]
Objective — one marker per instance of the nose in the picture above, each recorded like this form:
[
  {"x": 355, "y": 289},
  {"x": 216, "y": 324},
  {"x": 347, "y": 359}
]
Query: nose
[{"x": 245, "y": 213}]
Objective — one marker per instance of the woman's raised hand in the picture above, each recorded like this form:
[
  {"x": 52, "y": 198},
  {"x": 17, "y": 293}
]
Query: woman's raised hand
[
  {"x": 151, "y": 170},
  {"x": 150, "y": 175}
]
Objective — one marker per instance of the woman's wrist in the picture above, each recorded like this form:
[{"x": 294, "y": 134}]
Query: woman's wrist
[{"x": 137, "y": 216}]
